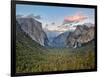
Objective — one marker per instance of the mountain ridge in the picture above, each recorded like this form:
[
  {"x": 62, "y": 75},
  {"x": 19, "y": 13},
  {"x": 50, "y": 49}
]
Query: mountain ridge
[
  {"x": 82, "y": 34},
  {"x": 34, "y": 29}
]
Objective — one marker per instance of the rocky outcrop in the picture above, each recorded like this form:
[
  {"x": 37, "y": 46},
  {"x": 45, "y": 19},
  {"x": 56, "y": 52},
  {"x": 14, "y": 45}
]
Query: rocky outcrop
[
  {"x": 83, "y": 34},
  {"x": 34, "y": 29}
]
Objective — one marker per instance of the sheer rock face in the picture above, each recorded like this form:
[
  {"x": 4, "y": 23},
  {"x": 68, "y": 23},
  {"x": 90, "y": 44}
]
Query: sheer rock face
[
  {"x": 34, "y": 29},
  {"x": 81, "y": 35}
]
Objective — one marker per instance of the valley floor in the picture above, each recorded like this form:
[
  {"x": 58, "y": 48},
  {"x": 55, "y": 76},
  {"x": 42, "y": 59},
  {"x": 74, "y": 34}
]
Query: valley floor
[{"x": 53, "y": 59}]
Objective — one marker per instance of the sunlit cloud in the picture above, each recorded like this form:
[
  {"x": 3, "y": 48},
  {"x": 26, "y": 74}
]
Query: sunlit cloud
[{"x": 78, "y": 17}]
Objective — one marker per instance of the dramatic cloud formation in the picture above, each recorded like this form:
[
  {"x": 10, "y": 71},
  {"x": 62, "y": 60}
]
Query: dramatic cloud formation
[{"x": 75, "y": 18}]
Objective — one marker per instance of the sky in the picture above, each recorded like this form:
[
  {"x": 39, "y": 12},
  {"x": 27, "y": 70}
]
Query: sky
[{"x": 57, "y": 16}]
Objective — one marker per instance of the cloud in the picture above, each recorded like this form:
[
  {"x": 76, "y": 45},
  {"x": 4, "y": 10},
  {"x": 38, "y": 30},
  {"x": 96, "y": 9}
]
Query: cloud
[
  {"x": 78, "y": 17},
  {"x": 18, "y": 16},
  {"x": 34, "y": 16},
  {"x": 38, "y": 17}
]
